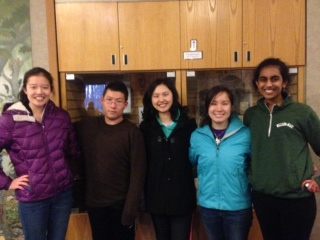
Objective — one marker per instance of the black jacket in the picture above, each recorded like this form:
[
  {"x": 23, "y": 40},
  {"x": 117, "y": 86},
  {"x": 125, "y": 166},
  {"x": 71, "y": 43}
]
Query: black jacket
[{"x": 170, "y": 185}]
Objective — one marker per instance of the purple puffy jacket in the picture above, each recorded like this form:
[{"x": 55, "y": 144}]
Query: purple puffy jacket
[{"x": 40, "y": 150}]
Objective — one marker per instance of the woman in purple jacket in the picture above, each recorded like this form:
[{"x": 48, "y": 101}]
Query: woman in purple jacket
[{"x": 39, "y": 138}]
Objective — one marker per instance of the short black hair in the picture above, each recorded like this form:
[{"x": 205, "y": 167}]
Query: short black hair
[{"x": 117, "y": 86}]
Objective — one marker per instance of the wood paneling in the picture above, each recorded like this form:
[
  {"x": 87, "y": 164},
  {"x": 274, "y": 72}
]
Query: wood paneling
[
  {"x": 274, "y": 29},
  {"x": 79, "y": 228}
]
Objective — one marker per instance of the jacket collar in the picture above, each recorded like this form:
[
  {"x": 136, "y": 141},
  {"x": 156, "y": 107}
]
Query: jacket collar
[
  {"x": 19, "y": 106},
  {"x": 286, "y": 102},
  {"x": 234, "y": 126}
]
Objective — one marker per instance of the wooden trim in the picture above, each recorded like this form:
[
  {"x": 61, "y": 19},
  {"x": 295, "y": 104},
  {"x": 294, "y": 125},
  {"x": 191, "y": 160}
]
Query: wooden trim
[
  {"x": 178, "y": 83},
  {"x": 184, "y": 94},
  {"x": 301, "y": 85},
  {"x": 79, "y": 227},
  {"x": 70, "y": 1},
  {"x": 52, "y": 49},
  {"x": 63, "y": 91}
]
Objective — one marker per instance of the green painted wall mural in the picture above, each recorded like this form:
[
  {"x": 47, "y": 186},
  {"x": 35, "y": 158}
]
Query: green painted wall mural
[
  {"x": 15, "y": 60},
  {"x": 15, "y": 46}
]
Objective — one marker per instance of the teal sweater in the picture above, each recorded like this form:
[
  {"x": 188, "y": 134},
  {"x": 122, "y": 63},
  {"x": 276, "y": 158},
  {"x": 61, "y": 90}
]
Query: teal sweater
[{"x": 281, "y": 159}]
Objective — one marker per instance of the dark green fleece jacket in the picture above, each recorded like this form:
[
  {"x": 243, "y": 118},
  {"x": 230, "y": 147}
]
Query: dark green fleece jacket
[{"x": 281, "y": 159}]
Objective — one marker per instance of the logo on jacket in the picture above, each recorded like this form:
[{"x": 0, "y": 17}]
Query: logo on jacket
[{"x": 284, "y": 124}]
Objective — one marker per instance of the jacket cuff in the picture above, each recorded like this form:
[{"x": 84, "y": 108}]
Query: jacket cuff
[{"x": 7, "y": 185}]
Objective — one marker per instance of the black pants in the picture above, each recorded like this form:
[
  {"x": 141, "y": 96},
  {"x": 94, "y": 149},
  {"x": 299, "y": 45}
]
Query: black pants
[
  {"x": 106, "y": 223},
  {"x": 172, "y": 227},
  {"x": 284, "y": 219}
]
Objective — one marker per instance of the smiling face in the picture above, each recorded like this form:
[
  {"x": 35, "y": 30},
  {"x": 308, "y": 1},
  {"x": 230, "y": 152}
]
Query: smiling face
[
  {"x": 38, "y": 91},
  {"x": 220, "y": 110},
  {"x": 270, "y": 85},
  {"x": 162, "y": 98}
]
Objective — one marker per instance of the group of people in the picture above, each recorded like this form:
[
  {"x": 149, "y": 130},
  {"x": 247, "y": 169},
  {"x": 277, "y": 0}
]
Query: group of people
[{"x": 263, "y": 163}]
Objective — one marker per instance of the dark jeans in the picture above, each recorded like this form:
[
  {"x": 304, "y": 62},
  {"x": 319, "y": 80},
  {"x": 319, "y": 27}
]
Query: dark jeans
[
  {"x": 47, "y": 219},
  {"x": 106, "y": 223},
  {"x": 284, "y": 219},
  {"x": 227, "y": 225},
  {"x": 172, "y": 227}
]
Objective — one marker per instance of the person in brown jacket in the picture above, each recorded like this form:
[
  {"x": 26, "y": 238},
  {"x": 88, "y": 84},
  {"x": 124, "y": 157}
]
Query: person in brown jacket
[{"x": 115, "y": 166}]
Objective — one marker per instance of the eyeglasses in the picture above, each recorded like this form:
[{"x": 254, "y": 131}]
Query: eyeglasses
[{"x": 117, "y": 102}]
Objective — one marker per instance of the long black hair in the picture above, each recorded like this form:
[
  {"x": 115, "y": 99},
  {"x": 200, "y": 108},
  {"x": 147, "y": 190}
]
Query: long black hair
[
  {"x": 276, "y": 62},
  {"x": 149, "y": 112},
  {"x": 36, "y": 71}
]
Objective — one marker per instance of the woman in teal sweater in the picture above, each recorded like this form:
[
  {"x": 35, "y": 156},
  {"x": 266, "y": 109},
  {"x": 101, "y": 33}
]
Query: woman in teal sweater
[
  {"x": 220, "y": 149},
  {"x": 281, "y": 167}
]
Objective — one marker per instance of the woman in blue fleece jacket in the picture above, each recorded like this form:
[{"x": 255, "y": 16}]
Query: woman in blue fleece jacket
[{"x": 220, "y": 149}]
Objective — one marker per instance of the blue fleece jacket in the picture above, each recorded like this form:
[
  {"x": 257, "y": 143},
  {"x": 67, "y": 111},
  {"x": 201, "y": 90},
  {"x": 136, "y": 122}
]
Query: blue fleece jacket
[{"x": 222, "y": 169}]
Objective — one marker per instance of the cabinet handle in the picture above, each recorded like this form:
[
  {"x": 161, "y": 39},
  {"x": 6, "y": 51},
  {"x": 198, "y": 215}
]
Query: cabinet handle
[
  {"x": 236, "y": 56},
  {"x": 125, "y": 59},
  {"x": 248, "y": 56},
  {"x": 113, "y": 59}
]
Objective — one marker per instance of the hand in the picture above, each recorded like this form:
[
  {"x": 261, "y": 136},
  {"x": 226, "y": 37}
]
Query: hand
[
  {"x": 311, "y": 185},
  {"x": 20, "y": 183},
  {"x": 315, "y": 168}
]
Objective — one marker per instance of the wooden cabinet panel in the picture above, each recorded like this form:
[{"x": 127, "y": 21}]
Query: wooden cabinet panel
[
  {"x": 79, "y": 228},
  {"x": 274, "y": 29},
  {"x": 150, "y": 35},
  {"x": 87, "y": 36},
  {"x": 248, "y": 30},
  {"x": 217, "y": 26},
  {"x": 110, "y": 36}
]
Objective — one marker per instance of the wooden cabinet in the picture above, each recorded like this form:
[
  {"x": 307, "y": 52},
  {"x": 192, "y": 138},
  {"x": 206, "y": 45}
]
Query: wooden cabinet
[
  {"x": 217, "y": 28},
  {"x": 87, "y": 36},
  {"x": 150, "y": 35},
  {"x": 118, "y": 36},
  {"x": 236, "y": 33},
  {"x": 111, "y": 36},
  {"x": 274, "y": 29}
]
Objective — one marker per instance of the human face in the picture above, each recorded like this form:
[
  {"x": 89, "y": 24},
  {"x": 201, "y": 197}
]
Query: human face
[
  {"x": 270, "y": 85},
  {"x": 38, "y": 91},
  {"x": 114, "y": 104},
  {"x": 162, "y": 98},
  {"x": 220, "y": 110}
]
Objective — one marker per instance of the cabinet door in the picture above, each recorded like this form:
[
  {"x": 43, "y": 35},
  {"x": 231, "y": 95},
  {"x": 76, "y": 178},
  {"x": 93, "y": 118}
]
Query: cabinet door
[
  {"x": 274, "y": 29},
  {"x": 149, "y": 35},
  {"x": 217, "y": 28},
  {"x": 87, "y": 36}
]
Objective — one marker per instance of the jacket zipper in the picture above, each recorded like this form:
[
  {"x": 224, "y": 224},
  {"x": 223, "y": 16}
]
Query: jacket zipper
[
  {"x": 48, "y": 155},
  {"x": 270, "y": 120}
]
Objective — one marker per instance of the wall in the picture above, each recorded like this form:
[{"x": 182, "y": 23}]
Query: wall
[
  {"x": 313, "y": 55},
  {"x": 313, "y": 79}
]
